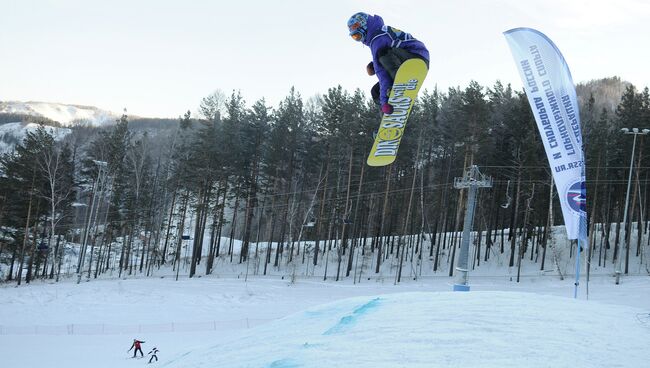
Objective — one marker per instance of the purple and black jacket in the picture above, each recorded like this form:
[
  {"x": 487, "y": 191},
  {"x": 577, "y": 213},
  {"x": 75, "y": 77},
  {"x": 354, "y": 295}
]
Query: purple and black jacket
[{"x": 378, "y": 37}]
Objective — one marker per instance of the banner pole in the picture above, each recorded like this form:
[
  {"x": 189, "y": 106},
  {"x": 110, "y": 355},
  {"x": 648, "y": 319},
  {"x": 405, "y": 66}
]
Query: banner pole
[{"x": 577, "y": 282}]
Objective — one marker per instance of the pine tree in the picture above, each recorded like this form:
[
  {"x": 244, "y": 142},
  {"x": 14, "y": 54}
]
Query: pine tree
[{"x": 25, "y": 181}]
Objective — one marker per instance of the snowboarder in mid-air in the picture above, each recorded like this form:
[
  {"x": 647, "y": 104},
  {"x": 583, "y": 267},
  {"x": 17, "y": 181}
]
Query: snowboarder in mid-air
[
  {"x": 390, "y": 48},
  {"x": 401, "y": 63},
  {"x": 137, "y": 345}
]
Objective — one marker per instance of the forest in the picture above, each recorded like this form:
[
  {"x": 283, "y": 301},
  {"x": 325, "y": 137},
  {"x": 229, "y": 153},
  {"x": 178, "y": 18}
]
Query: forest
[{"x": 289, "y": 185}]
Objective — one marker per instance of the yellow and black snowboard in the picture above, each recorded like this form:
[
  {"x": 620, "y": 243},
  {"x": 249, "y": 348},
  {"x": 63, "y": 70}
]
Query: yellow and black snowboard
[{"x": 408, "y": 80}]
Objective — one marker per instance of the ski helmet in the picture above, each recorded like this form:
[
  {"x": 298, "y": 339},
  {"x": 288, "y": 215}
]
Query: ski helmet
[{"x": 358, "y": 26}]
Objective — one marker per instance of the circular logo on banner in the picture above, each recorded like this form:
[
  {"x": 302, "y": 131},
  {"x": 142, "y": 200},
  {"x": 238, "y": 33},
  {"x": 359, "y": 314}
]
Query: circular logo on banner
[{"x": 576, "y": 197}]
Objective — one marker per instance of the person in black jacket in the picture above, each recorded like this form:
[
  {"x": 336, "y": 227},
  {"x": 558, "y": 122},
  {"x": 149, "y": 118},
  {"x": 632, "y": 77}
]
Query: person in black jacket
[{"x": 153, "y": 353}]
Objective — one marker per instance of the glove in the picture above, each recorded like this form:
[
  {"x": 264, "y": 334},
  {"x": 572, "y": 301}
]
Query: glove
[
  {"x": 370, "y": 68},
  {"x": 387, "y": 108}
]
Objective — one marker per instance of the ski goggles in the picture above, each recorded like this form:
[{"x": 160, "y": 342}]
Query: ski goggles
[{"x": 356, "y": 31}]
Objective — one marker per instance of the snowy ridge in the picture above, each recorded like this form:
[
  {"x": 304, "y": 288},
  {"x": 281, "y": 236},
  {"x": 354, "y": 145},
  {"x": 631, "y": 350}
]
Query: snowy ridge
[
  {"x": 62, "y": 113},
  {"x": 13, "y": 133}
]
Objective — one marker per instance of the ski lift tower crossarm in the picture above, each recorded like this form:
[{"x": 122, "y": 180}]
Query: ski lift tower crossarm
[{"x": 472, "y": 180}]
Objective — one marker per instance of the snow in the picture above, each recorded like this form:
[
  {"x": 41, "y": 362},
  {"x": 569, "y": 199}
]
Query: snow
[
  {"x": 63, "y": 113},
  {"x": 271, "y": 322},
  {"x": 18, "y": 131}
]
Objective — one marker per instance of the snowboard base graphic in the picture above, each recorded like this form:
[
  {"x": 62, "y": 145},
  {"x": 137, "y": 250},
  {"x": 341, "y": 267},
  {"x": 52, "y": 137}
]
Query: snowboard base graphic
[{"x": 408, "y": 80}]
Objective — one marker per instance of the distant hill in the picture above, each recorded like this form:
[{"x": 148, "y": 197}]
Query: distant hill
[
  {"x": 64, "y": 114},
  {"x": 17, "y": 118},
  {"x": 607, "y": 93},
  {"x": 13, "y": 133}
]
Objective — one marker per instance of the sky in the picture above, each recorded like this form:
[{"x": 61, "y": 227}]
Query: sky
[{"x": 159, "y": 58}]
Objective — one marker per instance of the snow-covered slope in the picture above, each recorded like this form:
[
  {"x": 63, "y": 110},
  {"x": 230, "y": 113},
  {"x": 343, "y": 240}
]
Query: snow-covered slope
[
  {"x": 215, "y": 322},
  {"x": 62, "y": 113},
  {"x": 477, "y": 329},
  {"x": 13, "y": 133}
]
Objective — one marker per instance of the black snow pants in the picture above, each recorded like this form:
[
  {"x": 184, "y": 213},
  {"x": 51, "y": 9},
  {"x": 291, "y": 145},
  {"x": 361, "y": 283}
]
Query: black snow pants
[
  {"x": 391, "y": 59},
  {"x": 136, "y": 352}
]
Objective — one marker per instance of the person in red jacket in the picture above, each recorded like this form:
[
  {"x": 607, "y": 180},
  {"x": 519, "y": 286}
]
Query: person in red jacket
[{"x": 136, "y": 344}]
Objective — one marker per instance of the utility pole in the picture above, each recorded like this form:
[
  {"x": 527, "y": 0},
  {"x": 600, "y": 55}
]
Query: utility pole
[
  {"x": 472, "y": 180},
  {"x": 626, "y": 237},
  {"x": 82, "y": 252}
]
